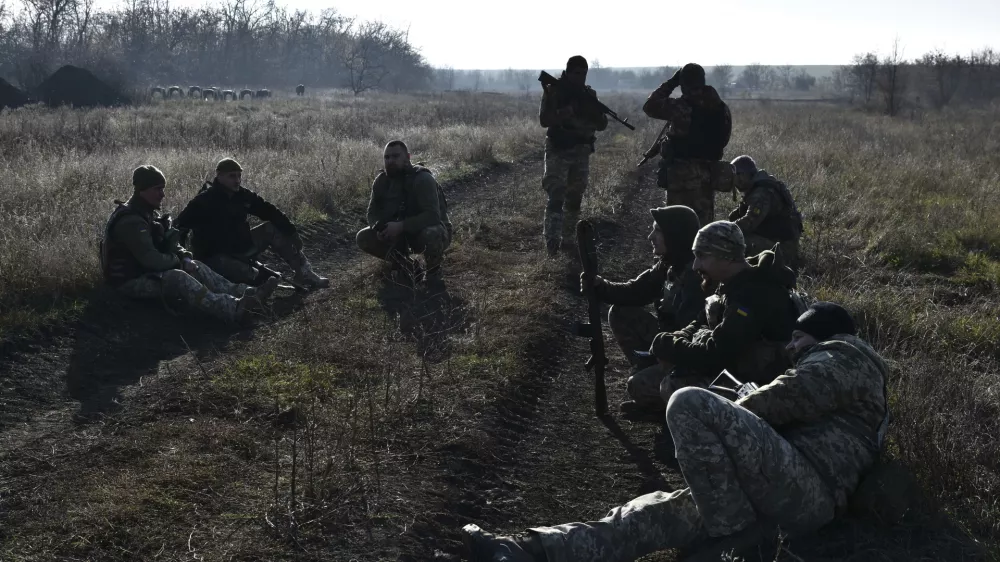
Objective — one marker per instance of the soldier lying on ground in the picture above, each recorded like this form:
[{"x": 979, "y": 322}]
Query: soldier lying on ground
[
  {"x": 141, "y": 258},
  {"x": 672, "y": 284},
  {"x": 744, "y": 325},
  {"x": 789, "y": 454},
  {"x": 407, "y": 214},
  {"x": 767, "y": 215},
  {"x": 222, "y": 237}
]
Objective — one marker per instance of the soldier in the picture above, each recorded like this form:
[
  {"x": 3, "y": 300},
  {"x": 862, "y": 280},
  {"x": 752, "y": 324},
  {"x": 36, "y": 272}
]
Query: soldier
[
  {"x": 407, "y": 214},
  {"x": 222, "y": 237},
  {"x": 789, "y": 454},
  {"x": 569, "y": 142},
  {"x": 744, "y": 325},
  {"x": 767, "y": 214},
  {"x": 675, "y": 288},
  {"x": 141, "y": 258},
  {"x": 698, "y": 130}
]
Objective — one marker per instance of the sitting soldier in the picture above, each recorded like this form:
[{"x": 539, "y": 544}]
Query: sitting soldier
[
  {"x": 141, "y": 258},
  {"x": 787, "y": 455},
  {"x": 743, "y": 326},
  {"x": 222, "y": 237},
  {"x": 407, "y": 214},
  {"x": 675, "y": 288},
  {"x": 767, "y": 214}
]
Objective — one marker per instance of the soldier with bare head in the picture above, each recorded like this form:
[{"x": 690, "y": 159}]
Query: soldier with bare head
[
  {"x": 698, "y": 130},
  {"x": 407, "y": 214},
  {"x": 141, "y": 257},
  {"x": 569, "y": 142},
  {"x": 787, "y": 455}
]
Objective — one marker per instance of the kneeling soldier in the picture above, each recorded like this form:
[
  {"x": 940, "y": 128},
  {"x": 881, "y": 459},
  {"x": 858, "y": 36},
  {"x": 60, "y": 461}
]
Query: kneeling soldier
[
  {"x": 767, "y": 215},
  {"x": 141, "y": 258}
]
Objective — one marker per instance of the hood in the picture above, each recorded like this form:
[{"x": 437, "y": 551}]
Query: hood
[{"x": 768, "y": 266}]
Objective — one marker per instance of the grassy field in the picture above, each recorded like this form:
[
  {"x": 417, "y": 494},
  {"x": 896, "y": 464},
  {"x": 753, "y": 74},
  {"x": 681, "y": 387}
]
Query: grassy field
[{"x": 901, "y": 225}]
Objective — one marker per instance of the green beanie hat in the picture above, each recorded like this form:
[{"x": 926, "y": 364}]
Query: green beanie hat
[
  {"x": 145, "y": 177},
  {"x": 228, "y": 165}
]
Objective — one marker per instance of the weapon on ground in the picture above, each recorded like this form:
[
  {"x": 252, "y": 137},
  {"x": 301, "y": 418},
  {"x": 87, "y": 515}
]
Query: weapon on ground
[
  {"x": 578, "y": 93},
  {"x": 739, "y": 390},
  {"x": 655, "y": 148},
  {"x": 268, "y": 272},
  {"x": 587, "y": 244}
]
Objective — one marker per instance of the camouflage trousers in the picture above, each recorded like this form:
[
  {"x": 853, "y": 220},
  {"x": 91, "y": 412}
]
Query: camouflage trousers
[
  {"x": 238, "y": 269},
  {"x": 564, "y": 181},
  {"x": 204, "y": 290},
  {"x": 739, "y": 470},
  {"x": 789, "y": 249},
  {"x": 431, "y": 242},
  {"x": 690, "y": 184}
]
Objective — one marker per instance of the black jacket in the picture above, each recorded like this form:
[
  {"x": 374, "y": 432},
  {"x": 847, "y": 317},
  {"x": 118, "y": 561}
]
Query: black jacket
[{"x": 218, "y": 220}]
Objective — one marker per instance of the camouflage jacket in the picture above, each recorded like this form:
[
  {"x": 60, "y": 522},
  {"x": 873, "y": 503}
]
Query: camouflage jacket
[
  {"x": 768, "y": 210},
  {"x": 414, "y": 198},
  {"x": 700, "y": 125},
  {"x": 678, "y": 296},
  {"x": 831, "y": 407},
  {"x": 579, "y": 128},
  {"x": 743, "y": 328},
  {"x": 135, "y": 243}
]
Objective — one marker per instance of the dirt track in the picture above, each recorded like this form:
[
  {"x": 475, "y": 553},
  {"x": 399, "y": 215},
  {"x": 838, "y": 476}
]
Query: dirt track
[{"x": 534, "y": 454}]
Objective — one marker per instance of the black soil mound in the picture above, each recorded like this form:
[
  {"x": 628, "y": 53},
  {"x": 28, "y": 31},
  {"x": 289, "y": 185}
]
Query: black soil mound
[
  {"x": 71, "y": 85},
  {"x": 10, "y": 96}
]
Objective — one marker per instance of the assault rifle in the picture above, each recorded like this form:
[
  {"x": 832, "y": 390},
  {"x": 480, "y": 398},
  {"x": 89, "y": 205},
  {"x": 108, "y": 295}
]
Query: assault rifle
[
  {"x": 656, "y": 146},
  {"x": 264, "y": 272},
  {"x": 579, "y": 94},
  {"x": 587, "y": 245}
]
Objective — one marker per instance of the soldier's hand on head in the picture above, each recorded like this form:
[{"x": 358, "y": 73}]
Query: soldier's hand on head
[{"x": 674, "y": 80}]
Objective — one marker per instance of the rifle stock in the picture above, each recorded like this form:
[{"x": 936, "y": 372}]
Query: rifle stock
[
  {"x": 587, "y": 245},
  {"x": 272, "y": 273},
  {"x": 548, "y": 80}
]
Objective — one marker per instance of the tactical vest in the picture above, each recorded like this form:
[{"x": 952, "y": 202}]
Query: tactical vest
[
  {"x": 707, "y": 136},
  {"x": 117, "y": 263},
  {"x": 408, "y": 182},
  {"x": 786, "y": 224}
]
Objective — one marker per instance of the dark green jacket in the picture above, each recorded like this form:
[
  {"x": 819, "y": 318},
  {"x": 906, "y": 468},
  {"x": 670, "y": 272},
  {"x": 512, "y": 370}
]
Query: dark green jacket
[
  {"x": 415, "y": 198},
  {"x": 743, "y": 328},
  {"x": 676, "y": 290}
]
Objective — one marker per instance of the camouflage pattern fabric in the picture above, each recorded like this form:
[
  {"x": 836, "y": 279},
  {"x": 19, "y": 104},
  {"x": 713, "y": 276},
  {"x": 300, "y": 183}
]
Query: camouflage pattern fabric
[
  {"x": 204, "y": 290},
  {"x": 431, "y": 242},
  {"x": 739, "y": 469},
  {"x": 564, "y": 181},
  {"x": 634, "y": 329},
  {"x": 722, "y": 239},
  {"x": 265, "y": 236},
  {"x": 689, "y": 183}
]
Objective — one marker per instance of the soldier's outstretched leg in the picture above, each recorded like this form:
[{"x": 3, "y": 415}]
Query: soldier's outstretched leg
[
  {"x": 557, "y": 164},
  {"x": 175, "y": 283},
  {"x": 236, "y": 270},
  {"x": 219, "y": 284},
  {"x": 265, "y": 236}
]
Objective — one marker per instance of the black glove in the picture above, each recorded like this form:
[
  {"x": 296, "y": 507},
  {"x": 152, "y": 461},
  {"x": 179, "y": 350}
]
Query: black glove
[{"x": 674, "y": 80}]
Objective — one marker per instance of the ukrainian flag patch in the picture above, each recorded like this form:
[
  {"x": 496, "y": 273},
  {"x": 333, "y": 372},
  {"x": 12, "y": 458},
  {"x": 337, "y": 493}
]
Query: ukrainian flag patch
[{"x": 742, "y": 311}]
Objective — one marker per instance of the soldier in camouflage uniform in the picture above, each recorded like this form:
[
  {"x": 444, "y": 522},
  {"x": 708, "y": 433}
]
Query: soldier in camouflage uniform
[
  {"x": 407, "y": 213},
  {"x": 675, "y": 288},
  {"x": 788, "y": 455},
  {"x": 744, "y": 325},
  {"x": 141, "y": 258},
  {"x": 217, "y": 217},
  {"x": 767, "y": 215},
  {"x": 569, "y": 142},
  {"x": 699, "y": 128}
]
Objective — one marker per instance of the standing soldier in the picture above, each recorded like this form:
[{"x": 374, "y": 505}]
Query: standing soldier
[
  {"x": 767, "y": 215},
  {"x": 141, "y": 258},
  {"x": 217, "y": 217},
  {"x": 407, "y": 213},
  {"x": 698, "y": 129},
  {"x": 569, "y": 142}
]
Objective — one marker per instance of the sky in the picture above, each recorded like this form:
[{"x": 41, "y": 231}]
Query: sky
[{"x": 532, "y": 34}]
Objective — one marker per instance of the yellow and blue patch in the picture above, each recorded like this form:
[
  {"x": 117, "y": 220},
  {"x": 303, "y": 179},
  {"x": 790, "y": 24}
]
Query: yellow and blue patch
[{"x": 743, "y": 311}]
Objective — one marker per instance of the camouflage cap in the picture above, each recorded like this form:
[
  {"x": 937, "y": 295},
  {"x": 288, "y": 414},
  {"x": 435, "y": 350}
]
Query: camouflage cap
[
  {"x": 721, "y": 239},
  {"x": 147, "y": 176},
  {"x": 228, "y": 165}
]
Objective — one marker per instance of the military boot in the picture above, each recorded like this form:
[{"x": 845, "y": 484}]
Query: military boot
[
  {"x": 306, "y": 276},
  {"x": 264, "y": 290},
  {"x": 405, "y": 270},
  {"x": 487, "y": 547},
  {"x": 552, "y": 245}
]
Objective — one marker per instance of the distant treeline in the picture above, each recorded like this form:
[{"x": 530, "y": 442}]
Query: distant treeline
[{"x": 233, "y": 43}]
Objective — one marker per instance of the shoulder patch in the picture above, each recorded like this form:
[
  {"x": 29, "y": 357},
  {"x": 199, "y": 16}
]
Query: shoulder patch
[{"x": 743, "y": 311}]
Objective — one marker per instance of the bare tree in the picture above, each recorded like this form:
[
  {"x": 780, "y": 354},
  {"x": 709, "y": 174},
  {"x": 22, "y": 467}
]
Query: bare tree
[
  {"x": 753, "y": 75},
  {"x": 944, "y": 75},
  {"x": 892, "y": 79},
  {"x": 784, "y": 76},
  {"x": 864, "y": 74},
  {"x": 721, "y": 77}
]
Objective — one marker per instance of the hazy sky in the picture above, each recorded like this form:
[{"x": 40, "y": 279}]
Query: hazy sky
[{"x": 544, "y": 33}]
